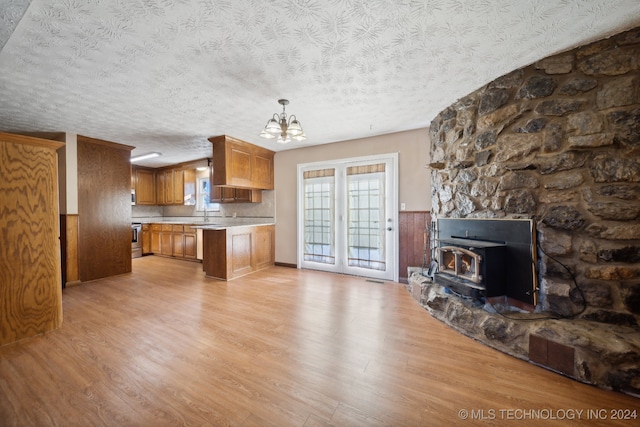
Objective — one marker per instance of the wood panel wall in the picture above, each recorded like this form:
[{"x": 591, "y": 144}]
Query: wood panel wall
[
  {"x": 414, "y": 238},
  {"x": 69, "y": 249},
  {"x": 104, "y": 208},
  {"x": 30, "y": 283}
]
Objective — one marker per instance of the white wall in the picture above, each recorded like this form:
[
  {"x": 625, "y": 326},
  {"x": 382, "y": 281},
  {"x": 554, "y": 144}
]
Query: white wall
[
  {"x": 67, "y": 172},
  {"x": 71, "y": 145}
]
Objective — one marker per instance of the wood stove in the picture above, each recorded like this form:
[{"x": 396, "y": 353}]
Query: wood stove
[
  {"x": 471, "y": 267},
  {"x": 487, "y": 258}
]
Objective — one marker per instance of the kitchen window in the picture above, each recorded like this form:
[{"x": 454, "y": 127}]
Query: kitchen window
[{"x": 204, "y": 191}]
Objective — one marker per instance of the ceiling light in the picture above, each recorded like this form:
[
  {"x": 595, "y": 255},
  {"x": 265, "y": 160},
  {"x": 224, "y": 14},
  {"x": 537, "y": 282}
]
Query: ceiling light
[
  {"x": 279, "y": 127},
  {"x": 145, "y": 156}
]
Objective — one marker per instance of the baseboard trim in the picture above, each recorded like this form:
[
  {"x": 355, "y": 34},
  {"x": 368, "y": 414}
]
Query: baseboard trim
[
  {"x": 286, "y": 264},
  {"x": 72, "y": 283}
]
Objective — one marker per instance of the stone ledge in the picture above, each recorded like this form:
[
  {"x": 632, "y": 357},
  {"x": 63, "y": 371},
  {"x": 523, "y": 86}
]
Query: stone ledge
[{"x": 607, "y": 356}]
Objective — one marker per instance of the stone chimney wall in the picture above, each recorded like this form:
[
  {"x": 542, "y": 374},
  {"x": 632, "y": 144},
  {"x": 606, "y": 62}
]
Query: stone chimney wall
[{"x": 559, "y": 142}]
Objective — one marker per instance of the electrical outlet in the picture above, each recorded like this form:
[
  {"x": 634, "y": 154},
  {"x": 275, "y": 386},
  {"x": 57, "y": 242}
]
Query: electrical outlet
[{"x": 403, "y": 206}]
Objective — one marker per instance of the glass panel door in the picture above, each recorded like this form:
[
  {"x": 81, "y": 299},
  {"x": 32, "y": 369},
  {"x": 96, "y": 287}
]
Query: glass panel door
[
  {"x": 347, "y": 217},
  {"x": 319, "y": 217},
  {"x": 365, "y": 217}
]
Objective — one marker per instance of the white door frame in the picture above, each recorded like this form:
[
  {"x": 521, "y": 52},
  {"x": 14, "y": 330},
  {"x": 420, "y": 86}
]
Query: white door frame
[{"x": 391, "y": 196}]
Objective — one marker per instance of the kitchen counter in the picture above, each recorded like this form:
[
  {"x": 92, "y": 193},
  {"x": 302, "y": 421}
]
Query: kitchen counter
[
  {"x": 214, "y": 226},
  {"x": 213, "y": 223}
]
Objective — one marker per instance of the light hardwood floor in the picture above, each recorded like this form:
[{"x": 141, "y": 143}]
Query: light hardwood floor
[{"x": 164, "y": 346}]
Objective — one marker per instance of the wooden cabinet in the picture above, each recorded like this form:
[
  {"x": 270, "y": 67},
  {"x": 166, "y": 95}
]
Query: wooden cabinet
[
  {"x": 239, "y": 164},
  {"x": 190, "y": 242},
  {"x": 156, "y": 231},
  {"x": 160, "y": 188},
  {"x": 248, "y": 196},
  {"x": 177, "y": 237},
  {"x": 161, "y": 239},
  {"x": 174, "y": 182},
  {"x": 166, "y": 240},
  {"x": 235, "y": 195},
  {"x": 236, "y": 251},
  {"x": 144, "y": 181},
  {"x": 146, "y": 239},
  {"x": 170, "y": 188},
  {"x": 174, "y": 240},
  {"x": 265, "y": 243},
  {"x": 189, "y": 186},
  {"x": 176, "y": 186},
  {"x": 30, "y": 273}
]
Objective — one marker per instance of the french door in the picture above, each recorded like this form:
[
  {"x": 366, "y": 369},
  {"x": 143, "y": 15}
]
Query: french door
[{"x": 347, "y": 216}]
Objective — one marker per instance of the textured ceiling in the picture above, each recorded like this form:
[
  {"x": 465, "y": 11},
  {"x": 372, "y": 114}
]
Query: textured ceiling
[{"x": 164, "y": 75}]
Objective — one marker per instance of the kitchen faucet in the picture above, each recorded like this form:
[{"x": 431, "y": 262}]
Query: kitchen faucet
[{"x": 205, "y": 200}]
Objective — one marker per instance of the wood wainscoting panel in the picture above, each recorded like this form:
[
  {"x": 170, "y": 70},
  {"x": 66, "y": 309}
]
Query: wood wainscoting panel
[
  {"x": 414, "y": 239},
  {"x": 104, "y": 206},
  {"x": 30, "y": 278},
  {"x": 69, "y": 249}
]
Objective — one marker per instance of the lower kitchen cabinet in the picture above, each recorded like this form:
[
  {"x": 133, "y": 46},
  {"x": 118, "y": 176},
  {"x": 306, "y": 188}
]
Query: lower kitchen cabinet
[
  {"x": 171, "y": 240},
  {"x": 177, "y": 237},
  {"x": 236, "y": 251},
  {"x": 166, "y": 240},
  {"x": 156, "y": 231},
  {"x": 146, "y": 239},
  {"x": 190, "y": 242}
]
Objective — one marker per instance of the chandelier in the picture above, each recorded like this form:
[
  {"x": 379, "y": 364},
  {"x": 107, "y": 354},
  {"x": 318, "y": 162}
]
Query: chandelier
[{"x": 285, "y": 130}]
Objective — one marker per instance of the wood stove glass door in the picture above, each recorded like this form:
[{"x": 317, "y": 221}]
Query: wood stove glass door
[{"x": 348, "y": 217}]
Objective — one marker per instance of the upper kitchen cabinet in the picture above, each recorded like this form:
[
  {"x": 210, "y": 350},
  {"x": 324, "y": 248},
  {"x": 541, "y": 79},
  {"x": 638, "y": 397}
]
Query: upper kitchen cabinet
[
  {"x": 241, "y": 165},
  {"x": 144, "y": 181},
  {"x": 175, "y": 186},
  {"x": 221, "y": 194}
]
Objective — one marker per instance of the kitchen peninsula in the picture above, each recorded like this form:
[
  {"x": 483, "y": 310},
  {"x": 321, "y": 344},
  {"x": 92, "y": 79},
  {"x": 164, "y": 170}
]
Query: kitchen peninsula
[
  {"x": 227, "y": 247},
  {"x": 233, "y": 251}
]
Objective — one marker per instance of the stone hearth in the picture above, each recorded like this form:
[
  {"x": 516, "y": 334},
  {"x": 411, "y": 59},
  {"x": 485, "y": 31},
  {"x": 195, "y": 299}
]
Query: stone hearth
[
  {"x": 604, "y": 355},
  {"x": 557, "y": 142}
]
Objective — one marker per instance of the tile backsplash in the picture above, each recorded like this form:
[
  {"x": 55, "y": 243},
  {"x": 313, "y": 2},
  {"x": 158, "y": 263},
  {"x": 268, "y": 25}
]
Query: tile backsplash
[{"x": 266, "y": 209}]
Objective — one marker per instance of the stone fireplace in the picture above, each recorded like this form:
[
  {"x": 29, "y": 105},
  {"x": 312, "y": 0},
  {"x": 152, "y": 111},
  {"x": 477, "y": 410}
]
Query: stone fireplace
[{"x": 556, "y": 143}]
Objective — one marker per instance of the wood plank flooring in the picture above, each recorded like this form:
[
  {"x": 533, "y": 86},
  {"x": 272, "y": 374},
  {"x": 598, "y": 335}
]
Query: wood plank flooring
[{"x": 163, "y": 346}]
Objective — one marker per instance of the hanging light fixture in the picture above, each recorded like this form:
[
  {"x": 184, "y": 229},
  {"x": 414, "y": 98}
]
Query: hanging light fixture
[{"x": 281, "y": 128}]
